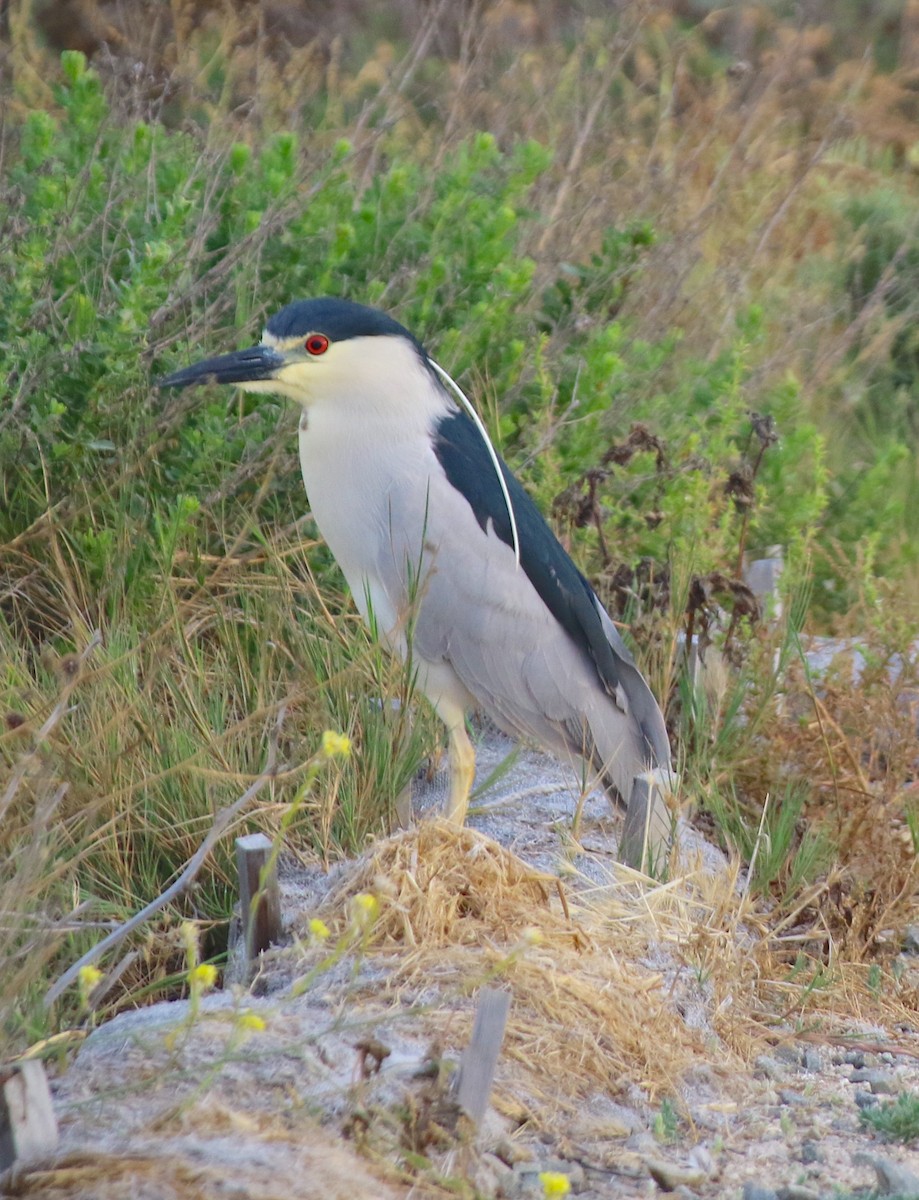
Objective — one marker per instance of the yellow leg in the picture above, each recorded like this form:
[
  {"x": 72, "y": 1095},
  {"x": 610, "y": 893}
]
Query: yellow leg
[{"x": 462, "y": 773}]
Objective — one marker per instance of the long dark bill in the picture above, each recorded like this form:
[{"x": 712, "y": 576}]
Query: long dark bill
[{"x": 242, "y": 366}]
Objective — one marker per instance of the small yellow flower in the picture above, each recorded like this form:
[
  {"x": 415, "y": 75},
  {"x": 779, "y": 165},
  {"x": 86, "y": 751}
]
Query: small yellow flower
[
  {"x": 319, "y": 931},
  {"x": 89, "y": 977},
  {"x": 87, "y": 980},
  {"x": 203, "y": 976},
  {"x": 554, "y": 1183},
  {"x": 364, "y": 909},
  {"x": 335, "y": 745},
  {"x": 533, "y": 937},
  {"x": 251, "y": 1022}
]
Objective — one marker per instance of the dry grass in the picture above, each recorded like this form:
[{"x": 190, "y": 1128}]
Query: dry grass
[
  {"x": 850, "y": 744},
  {"x": 114, "y": 761},
  {"x": 458, "y": 910},
  {"x": 634, "y": 982}
]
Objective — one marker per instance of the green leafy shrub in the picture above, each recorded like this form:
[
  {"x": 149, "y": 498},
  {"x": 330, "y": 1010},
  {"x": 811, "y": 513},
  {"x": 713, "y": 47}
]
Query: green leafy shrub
[{"x": 872, "y": 502}]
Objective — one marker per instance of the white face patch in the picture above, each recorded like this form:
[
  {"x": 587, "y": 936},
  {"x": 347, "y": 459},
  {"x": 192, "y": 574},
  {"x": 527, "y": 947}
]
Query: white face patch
[{"x": 360, "y": 378}]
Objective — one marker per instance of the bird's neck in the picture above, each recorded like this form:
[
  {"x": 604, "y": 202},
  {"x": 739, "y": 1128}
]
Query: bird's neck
[{"x": 384, "y": 418}]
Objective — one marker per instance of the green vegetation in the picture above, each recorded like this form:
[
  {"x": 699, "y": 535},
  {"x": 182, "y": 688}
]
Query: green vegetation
[
  {"x": 667, "y": 1124},
  {"x": 692, "y": 343},
  {"x": 898, "y": 1121}
]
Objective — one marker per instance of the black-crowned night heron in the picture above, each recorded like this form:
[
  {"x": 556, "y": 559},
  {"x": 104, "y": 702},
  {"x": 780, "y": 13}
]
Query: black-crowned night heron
[{"x": 440, "y": 544}]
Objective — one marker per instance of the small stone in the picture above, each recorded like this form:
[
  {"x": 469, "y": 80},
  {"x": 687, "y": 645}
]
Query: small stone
[
  {"x": 880, "y": 1082},
  {"x": 521, "y": 1187},
  {"x": 511, "y": 1152},
  {"x": 641, "y": 1143},
  {"x": 855, "y": 1058},
  {"x": 523, "y": 1182},
  {"x": 883, "y": 1087},
  {"x": 865, "y": 1099},
  {"x": 714, "y": 1122},
  {"x": 788, "y": 1054},
  {"x": 812, "y": 1060},
  {"x": 767, "y": 1068},
  {"x": 787, "y": 1096},
  {"x": 616, "y": 1121},
  {"x": 488, "y": 1174},
  {"x": 810, "y": 1153},
  {"x": 911, "y": 939},
  {"x": 759, "y": 1191},
  {"x": 668, "y": 1176},
  {"x": 893, "y": 1179},
  {"x": 611, "y": 1130},
  {"x": 700, "y": 1156}
]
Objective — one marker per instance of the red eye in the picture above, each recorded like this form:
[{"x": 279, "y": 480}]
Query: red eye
[{"x": 316, "y": 343}]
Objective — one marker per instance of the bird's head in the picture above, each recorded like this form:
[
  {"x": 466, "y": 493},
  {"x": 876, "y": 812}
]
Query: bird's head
[{"x": 317, "y": 350}]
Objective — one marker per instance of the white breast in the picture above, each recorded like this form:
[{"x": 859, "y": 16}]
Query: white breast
[{"x": 367, "y": 482}]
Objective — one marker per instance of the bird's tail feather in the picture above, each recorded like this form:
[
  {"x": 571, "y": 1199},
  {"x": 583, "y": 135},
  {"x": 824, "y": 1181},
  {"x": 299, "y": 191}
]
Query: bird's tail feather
[{"x": 626, "y": 736}]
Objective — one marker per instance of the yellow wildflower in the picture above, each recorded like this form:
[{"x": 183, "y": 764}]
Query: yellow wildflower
[
  {"x": 319, "y": 931},
  {"x": 335, "y": 745},
  {"x": 251, "y": 1022},
  {"x": 554, "y": 1183},
  {"x": 203, "y": 976},
  {"x": 89, "y": 977},
  {"x": 87, "y": 980},
  {"x": 364, "y": 909}
]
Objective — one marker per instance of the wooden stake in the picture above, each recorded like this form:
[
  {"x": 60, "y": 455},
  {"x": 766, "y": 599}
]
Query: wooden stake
[
  {"x": 647, "y": 834},
  {"x": 259, "y": 900},
  {"x": 28, "y": 1128},
  {"x": 480, "y": 1060},
  {"x": 762, "y": 577}
]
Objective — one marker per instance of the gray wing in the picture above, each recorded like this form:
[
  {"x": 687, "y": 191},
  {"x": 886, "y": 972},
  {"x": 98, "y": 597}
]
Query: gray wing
[{"x": 531, "y": 643}]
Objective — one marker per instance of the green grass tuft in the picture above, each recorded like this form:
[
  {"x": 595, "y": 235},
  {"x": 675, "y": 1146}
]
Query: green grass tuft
[{"x": 898, "y": 1121}]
